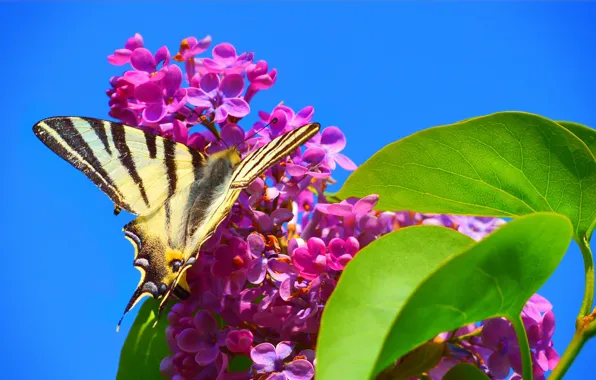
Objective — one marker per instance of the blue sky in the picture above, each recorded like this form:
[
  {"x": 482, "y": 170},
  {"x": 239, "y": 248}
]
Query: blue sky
[{"x": 379, "y": 71}]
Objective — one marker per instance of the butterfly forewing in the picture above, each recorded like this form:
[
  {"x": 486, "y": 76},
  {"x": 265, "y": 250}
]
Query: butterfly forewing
[{"x": 137, "y": 170}]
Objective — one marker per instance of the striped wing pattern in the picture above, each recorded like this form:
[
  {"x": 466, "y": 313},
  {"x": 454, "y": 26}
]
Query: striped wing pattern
[
  {"x": 180, "y": 197},
  {"x": 253, "y": 165},
  {"x": 138, "y": 170},
  {"x": 263, "y": 158}
]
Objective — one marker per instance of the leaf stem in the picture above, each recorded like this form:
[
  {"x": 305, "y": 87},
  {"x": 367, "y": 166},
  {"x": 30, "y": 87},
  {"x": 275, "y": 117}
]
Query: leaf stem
[
  {"x": 524, "y": 347},
  {"x": 584, "y": 246}
]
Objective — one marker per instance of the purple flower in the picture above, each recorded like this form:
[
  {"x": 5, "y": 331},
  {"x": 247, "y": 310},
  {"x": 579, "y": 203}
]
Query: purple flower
[
  {"x": 145, "y": 65},
  {"x": 122, "y": 56},
  {"x": 203, "y": 340},
  {"x": 239, "y": 341},
  {"x": 350, "y": 211},
  {"x": 341, "y": 252},
  {"x": 231, "y": 258},
  {"x": 163, "y": 96},
  {"x": 408, "y": 218},
  {"x": 332, "y": 141},
  {"x": 258, "y": 267},
  {"x": 312, "y": 259},
  {"x": 268, "y": 222},
  {"x": 287, "y": 120},
  {"x": 178, "y": 131},
  {"x": 438, "y": 220},
  {"x": 535, "y": 306},
  {"x": 540, "y": 328},
  {"x": 220, "y": 97},
  {"x": 225, "y": 60},
  {"x": 259, "y": 78},
  {"x": 541, "y": 340},
  {"x": 305, "y": 201},
  {"x": 189, "y": 48},
  {"x": 311, "y": 163},
  {"x": 476, "y": 227},
  {"x": 269, "y": 359},
  {"x": 498, "y": 335},
  {"x": 231, "y": 135},
  {"x": 122, "y": 106}
]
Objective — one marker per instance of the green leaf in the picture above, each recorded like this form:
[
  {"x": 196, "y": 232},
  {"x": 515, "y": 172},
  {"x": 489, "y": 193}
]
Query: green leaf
[
  {"x": 145, "y": 346},
  {"x": 586, "y": 134},
  {"x": 420, "y": 360},
  {"x": 505, "y": 164},
  {"x": 408, "y": 286},
  {"x": 465, "y": 371}
]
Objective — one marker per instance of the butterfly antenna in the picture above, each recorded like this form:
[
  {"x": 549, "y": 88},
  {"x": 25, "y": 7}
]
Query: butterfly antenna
[
  {"x": 206, "y": 122},
  {"x": 273, "y": 121},
  {"x": 225, "y": 143}
]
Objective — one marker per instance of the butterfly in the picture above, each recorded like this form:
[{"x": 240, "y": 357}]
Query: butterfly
[{"x": 179, "y": 194}]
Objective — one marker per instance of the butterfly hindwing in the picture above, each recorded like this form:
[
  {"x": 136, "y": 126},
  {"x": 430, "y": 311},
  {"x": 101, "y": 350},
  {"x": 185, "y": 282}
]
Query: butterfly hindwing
[
  {"x": 159, "y": 240},
  {"x": 136, "y": 169},
  {"x": 226, "y": 190}
]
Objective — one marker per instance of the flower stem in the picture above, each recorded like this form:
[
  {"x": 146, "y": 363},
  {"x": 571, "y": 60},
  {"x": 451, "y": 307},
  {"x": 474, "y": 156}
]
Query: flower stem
[
  {"x": 585, "y": 325},
  {"x": 584, "y": 246},
  {"x": 569, "y": 356},
  {"x": 524, "y": 347},
  {"x": 460, "y": 338}
]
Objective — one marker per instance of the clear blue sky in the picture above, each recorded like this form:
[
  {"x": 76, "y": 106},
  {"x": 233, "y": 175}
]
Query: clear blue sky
[{"x": 379, "y": 71}]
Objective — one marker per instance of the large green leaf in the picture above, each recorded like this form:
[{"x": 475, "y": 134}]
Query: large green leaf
[
  {"x": 410, "y": 285},
  {"x": 419, "y": 361},
  {"x": 586, "y": 134},
  {"x": 145, "y": 346},
  {"x": 505, "y": 164}
]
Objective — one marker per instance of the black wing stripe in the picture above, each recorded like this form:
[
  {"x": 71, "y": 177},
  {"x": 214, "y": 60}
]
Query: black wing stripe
[
  {"x": 87, "y": 162},
  {"x": 279, "y": 148},
  {"x": 151, "y": 141},
  {"x": 255, "y": 160},
  {"x": 169, "y": 147},
  {"x": 126, "y": 159},
  {"x": 258, "y": 158},
  {"x": 266, "y": 156},
  {"x": 198, "y": 160},
  {"x": 100, "y": 130}
]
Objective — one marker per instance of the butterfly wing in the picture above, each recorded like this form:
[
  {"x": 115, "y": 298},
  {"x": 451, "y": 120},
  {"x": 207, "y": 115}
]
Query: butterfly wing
[
  {"x": 179, "y": 197},
  {"x": 138, "y": 170},
  {"x": 228, "y": 190},
  {"x": 263, "y": 158},
  {"x": 158, "y": 240}
]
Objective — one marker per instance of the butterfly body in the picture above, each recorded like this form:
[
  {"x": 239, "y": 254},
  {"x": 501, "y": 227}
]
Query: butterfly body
[{"x": 179, "y": 194}]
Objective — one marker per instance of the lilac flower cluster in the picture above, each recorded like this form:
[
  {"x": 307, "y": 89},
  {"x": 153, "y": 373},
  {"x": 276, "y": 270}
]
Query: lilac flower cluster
[
  {"x": 261, "y": 282},
  {"x": 492, "y": 344}
]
